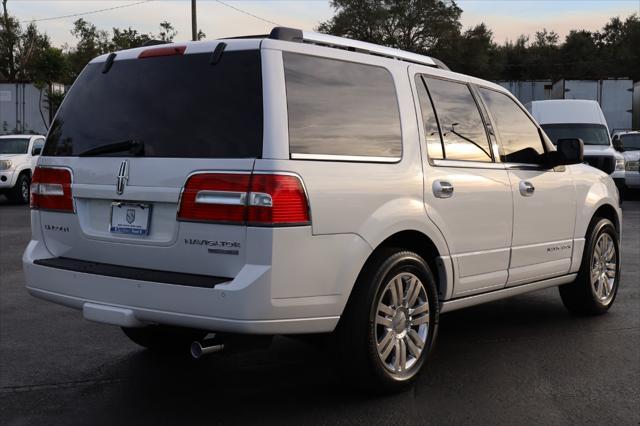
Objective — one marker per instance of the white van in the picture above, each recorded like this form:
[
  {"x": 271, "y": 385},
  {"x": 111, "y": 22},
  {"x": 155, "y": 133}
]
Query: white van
[{"x": 578, "y": 118}]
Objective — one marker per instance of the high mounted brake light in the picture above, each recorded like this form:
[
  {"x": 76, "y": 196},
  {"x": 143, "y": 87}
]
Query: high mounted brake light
[
  {"x": 258, "y": 199},
  {"x": 162, "y": 51},
  {"x": 51, "y": 189}
]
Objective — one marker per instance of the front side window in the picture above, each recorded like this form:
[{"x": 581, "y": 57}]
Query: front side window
[
  {"x": 341, "y": 108},
  {"x": 14, "y": 146},
  {"x": 519, "y": 136},
  {"x": 463, "y": 130}
]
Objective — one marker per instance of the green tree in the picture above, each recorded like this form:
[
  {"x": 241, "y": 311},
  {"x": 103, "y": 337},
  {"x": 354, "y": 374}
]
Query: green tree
[
  {"x": 167, "y": 32},
  {"x": 413, "y": 25}
]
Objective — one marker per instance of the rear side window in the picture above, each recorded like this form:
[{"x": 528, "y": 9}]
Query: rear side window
[
  {"x": 341, "y": 108},
  {"x": 435, "y": 148},
  {"x": 171, "y": 106},
  {"x": 463, "y": 130},
  {"x": 519, "y": 137}
]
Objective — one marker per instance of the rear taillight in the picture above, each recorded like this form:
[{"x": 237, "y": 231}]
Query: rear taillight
[
  {"x": 51, "y": 189},
  {"x": 259, "y": 199}
]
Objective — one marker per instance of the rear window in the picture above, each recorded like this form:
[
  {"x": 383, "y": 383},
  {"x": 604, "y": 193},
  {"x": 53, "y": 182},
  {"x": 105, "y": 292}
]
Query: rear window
[
  {"x": 341, "y": 108},
  {"x": 172, "y": 106}
]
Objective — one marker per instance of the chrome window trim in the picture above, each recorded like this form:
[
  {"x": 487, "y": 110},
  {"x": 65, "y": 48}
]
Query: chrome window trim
[
  {"x": 467, "y": 164},
  {"x": 347, "y": 158}
]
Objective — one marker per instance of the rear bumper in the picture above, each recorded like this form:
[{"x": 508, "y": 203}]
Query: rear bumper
[{"x": 250, "y": 303}]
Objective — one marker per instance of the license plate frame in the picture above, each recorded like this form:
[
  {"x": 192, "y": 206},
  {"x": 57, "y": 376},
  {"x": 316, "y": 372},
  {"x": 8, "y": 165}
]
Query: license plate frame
[{"x": 124, "y": 222}]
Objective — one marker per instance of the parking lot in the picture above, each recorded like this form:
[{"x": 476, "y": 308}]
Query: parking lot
[{"x": 517, "y": 361}]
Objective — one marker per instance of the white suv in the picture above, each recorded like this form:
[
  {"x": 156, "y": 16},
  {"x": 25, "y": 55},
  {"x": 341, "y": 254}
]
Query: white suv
[
  {"x": 300, "y": 183},
  {"x": 18, "y": 157}
]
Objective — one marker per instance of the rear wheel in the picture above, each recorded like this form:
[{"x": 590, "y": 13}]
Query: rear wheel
[
  {"x": 390, "y": 323},
  {"x": 20, "y": 192},
  {"x": 596, "y": 285},
  {"x": 164, "y": 338}
]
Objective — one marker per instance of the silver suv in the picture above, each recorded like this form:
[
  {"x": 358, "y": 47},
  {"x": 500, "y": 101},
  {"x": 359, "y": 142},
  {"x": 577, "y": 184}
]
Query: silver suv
[{"x": 299, "y": 183}]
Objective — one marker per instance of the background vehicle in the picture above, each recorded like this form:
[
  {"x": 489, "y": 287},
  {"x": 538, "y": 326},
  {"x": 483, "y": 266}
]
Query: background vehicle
[
  {"x": 301, "y": 188},
  {"x": 628, "y": 143},
  {"x": 573, "y": 118},
  {"x": 18, "y": 156}
]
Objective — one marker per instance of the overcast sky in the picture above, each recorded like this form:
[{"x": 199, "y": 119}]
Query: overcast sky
[{"x": 507, "y": 18}]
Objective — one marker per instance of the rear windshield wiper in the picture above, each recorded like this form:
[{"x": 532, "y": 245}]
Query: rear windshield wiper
[{"x": 133, "y": 146}]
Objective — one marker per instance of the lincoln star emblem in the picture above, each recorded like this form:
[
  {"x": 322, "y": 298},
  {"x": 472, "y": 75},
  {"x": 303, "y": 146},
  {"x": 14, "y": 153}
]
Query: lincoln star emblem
[
  {"x": 131, "y": 216},
  {"x": 123, "y": 177}
]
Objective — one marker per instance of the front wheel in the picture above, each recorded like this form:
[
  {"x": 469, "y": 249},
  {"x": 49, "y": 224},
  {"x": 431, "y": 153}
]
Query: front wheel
[
  {"x": 390, "y": 322},
  {"x": 21, "y": 191},
  {"x": 596, "y": 285}
]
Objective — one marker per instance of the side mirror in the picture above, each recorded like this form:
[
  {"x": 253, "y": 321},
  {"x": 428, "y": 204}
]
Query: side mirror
[
  {"x": 36, "y": 151},
  {"x": 568, "y": 151},
  {"x": 617, "y": 144}
]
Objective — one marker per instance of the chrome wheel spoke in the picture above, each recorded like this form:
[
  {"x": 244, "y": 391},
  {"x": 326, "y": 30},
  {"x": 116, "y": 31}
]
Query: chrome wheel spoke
[
  {"x": 386, "y": 309},
  {"x": 399, "y": 291},
  {"x": 424, "y": 308},
  {"x": 403, "y": 354},
  {"x": 384, "y": 321},
  {"x": 396, "y": 356},
  {"x": 413, "y": 348},
  {"x": 420, "y": 320},
  {"x": 416, "y": 339},
  {"x": 413, "y": 292},
  {"x": 386, "y": 350}
]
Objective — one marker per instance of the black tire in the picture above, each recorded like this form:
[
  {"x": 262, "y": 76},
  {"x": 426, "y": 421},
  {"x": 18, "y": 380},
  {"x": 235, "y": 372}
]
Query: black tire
[
  {"x": 357, "y": 333},
  {"x": 21, "y": 191},
  {"x": 580, "y": 297},
  {"x": 164, "y": 338}
]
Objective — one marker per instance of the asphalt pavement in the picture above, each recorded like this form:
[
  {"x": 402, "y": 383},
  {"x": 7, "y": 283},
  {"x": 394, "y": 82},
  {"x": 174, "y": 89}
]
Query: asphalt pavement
[{"x": 523, "y": 360}]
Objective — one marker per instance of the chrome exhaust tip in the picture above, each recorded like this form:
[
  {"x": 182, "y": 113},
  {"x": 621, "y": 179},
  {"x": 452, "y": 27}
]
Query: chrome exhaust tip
[{"x": 205, "y": 347}]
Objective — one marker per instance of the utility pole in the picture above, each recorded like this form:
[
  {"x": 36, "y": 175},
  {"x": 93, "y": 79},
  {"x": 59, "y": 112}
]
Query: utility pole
[{"x": 194, "y": 21}]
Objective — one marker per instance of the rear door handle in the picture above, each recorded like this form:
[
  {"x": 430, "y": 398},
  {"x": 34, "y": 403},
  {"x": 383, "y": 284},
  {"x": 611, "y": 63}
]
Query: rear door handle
[
  {"x": 526, "y": 188},
  {"x": 442, "y": 189}
]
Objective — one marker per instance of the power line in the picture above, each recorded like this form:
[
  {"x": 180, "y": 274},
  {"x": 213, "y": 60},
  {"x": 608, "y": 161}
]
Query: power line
[
  {"x": 73, "y": 15},
  {"x": 247, "y": 13}
]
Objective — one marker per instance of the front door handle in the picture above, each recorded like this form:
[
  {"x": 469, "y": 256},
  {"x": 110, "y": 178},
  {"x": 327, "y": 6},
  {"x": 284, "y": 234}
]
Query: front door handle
[
  {"x": 526, "y": 188},
  {"x": 442, "y": 189}
]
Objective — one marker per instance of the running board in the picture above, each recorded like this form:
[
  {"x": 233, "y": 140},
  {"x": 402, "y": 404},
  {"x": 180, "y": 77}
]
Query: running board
[{"x": 465, "y": 302}]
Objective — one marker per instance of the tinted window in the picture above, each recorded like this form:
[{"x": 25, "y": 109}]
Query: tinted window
[
  {"x": 519, "y": 137},
  {"x": 37, "y": 147},
  {"x": 14, "y": 146},
  {"x": 341, "y": 108},
  {"x": 462, "y": 128},
  {"x": 176, "y": 106},
  {"x": 591, "y": 134},
  {"x": 431, "y": 131},
  {"x": 631, "y": 142}
]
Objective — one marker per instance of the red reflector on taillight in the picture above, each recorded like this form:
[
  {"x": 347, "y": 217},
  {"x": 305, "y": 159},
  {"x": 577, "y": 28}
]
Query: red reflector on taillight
[
  {"x": 215, "y": 197},
  {"x": 277, "y": 199},
  {"x": 162, "y": 51},
  {"x": 51, "y": 189},
  {"x": 242, "y": 198}
]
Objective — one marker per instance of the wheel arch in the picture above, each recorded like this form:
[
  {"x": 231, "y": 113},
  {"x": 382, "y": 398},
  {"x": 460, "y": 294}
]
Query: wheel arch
[
  {"x": 425, "y": 247},
  {"x": 606, "y": 211}
]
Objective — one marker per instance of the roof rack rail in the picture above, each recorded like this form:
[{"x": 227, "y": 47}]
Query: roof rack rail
[{"x": 295, "y": 35}]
